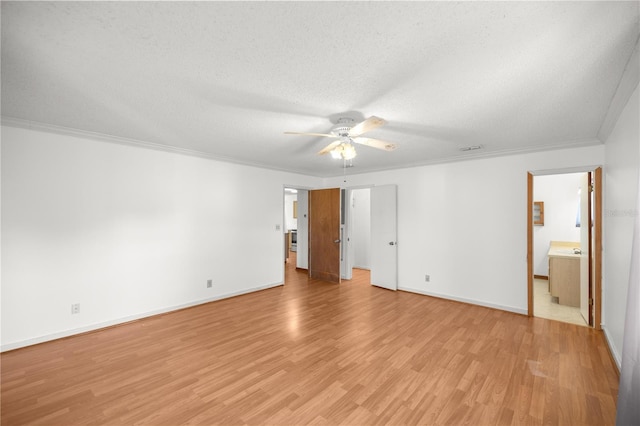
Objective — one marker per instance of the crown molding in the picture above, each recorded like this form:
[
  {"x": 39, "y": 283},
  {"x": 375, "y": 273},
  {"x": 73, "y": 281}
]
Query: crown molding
[
  {"x": 471, "y": 155},
  {"x": 68, "y": 131},
  {"x": 102, "y": 137},
  {"x": 479, "y": 155}
]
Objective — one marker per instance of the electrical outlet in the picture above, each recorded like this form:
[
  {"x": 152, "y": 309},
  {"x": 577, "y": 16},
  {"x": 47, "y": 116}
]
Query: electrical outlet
[
  {"x": 75, "y": 308},
  {"x": 427, "y": 278},
  {"x": 209, "y": 283}
]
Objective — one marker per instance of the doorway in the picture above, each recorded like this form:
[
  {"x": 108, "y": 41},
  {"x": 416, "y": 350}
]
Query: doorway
[
  {"x": 296, "y": 225},
  {"x": 370, "y": 234},
  {"x": 386, "y": 200},
  {"x": 564, "y": 252},
  {"x": 356, "y": 231}
]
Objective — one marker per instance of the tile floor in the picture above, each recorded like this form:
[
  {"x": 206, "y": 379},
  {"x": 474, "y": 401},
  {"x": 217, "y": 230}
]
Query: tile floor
[{"x": 545, "y": 306}]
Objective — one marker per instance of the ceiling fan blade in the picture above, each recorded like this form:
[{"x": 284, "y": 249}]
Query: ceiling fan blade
[
  {"x": 312, "y": 134},
  {"x": 329, "y": 147},
  {"x": 370, "y": 123},
  {"x": 375, "y": 143}
]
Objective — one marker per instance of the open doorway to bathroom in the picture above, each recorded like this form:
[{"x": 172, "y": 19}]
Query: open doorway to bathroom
[
  {"x": 557, "y": 244},
  {"x": 564, "y": 255}
]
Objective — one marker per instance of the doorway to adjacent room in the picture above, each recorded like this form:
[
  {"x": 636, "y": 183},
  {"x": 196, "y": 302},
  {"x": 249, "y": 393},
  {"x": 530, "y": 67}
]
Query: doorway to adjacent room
[
  {"x": 564, "y": 237},
  {"x": 326, "y": 224}
]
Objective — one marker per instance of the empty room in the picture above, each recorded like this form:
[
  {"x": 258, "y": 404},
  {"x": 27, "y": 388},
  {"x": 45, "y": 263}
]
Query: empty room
[{"x": 294, "y": 213}]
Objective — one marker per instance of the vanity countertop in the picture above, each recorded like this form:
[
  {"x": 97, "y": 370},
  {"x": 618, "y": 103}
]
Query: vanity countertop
[{"x": 569, "y": 249}]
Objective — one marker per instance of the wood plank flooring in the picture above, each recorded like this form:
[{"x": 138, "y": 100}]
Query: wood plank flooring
[{"x": 312, "y": 352}]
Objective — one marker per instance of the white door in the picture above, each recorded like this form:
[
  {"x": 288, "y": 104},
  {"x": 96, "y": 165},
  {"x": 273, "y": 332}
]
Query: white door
[
  {"x": 302, "y": 251},
  {"x": 585, "y": 238},
  {"x": 384, "y": 229},
  {"x": 346, "y": 255}
]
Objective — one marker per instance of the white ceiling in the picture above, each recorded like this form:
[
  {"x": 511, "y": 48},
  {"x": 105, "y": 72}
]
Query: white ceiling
[{"x": 226, "y": 79}]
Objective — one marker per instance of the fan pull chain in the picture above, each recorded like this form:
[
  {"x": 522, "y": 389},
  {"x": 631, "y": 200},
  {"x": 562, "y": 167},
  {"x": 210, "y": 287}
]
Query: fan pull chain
[{"x": 344, "y": 170}]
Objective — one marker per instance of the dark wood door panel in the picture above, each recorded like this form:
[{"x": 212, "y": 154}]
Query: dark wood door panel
[{"x": 324, "y": 231}]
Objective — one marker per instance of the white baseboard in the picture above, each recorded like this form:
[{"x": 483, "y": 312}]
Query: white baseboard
[
  {"x": 469, "y": 301},
  {"x": 364, "y": 267},
  {"x": 110, "y": 323},
  {"x": 612, "y": 349}
]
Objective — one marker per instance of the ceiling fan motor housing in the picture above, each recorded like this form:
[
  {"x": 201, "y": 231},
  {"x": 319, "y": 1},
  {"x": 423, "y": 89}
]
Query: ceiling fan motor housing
[
  {"x": 341, "y": 130},
  {"x": 343, "y": 126}
]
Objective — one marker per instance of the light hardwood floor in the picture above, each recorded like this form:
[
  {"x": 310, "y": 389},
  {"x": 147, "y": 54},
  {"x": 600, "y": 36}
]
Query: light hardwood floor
[{"x": 311, "y": 352}]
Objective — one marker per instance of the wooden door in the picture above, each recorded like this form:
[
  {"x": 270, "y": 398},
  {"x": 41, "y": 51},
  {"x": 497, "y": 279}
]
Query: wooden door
[{"x": 324, "y": 234}]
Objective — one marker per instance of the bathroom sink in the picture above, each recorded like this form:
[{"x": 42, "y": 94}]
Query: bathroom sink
[{"x": 569, "y": 251}]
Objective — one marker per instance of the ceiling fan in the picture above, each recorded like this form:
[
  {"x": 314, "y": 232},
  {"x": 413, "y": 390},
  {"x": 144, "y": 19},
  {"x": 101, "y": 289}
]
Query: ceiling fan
[{"x": 347, "y": 132}]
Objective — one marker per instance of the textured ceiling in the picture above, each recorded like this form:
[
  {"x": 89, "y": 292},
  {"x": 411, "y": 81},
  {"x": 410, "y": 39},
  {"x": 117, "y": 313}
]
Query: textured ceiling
[{"x": 227, "y": 79}]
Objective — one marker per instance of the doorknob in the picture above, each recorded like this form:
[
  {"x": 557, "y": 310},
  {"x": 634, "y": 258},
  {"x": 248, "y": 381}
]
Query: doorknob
[
  {"x": 391, "y": 243},
  {"x": 336, "y": 241}
]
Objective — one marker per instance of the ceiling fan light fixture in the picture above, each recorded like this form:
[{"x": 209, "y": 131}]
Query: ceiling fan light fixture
[
  {"x": 344, "y": 151},
  {"x": 348, "y": 151}
]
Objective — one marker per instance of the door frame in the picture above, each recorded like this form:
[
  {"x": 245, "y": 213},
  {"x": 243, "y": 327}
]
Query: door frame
[
  {"x": 347, "y": 246},
  {"x": 282, "y": 224},
  {"x": 597, "y": 229},
  {"x": 346, "y": 227},
  {"x": 309, "y": 189}
]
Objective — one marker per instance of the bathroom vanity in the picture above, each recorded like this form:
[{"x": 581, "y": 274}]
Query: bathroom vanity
[{"x": 564, "y": 272}]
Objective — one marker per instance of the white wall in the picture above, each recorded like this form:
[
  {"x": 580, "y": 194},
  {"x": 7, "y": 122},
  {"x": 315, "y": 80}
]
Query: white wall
[
  {"x": 622, "y": 156},
  {"x": 361, "y": 227},
  {"x": 561, "y": 202},
  {"x": 465, "y": 224},
  {"x": 127, "y": 232}
]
